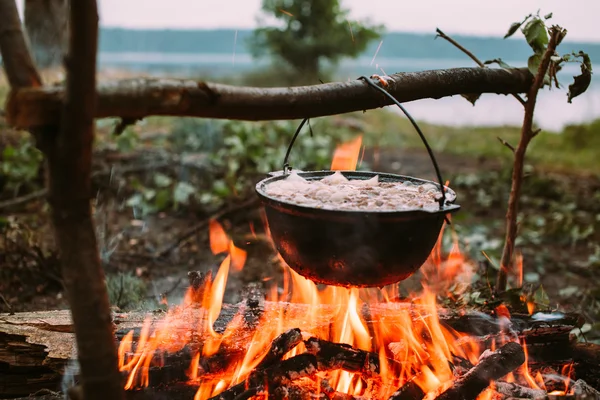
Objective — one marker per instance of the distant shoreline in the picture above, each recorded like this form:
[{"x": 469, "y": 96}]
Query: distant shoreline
[{"x": 395, "y": 44}]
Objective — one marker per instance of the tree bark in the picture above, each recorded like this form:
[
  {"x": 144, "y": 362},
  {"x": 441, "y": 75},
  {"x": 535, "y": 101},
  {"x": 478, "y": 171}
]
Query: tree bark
[
  {"x": 46, "y": 25},
  {"x": 527, "y": 134},
  {"x": 138, "y": 98},
  {"x": 18, "y": 64},
  {"x": 69, "y": 162}
]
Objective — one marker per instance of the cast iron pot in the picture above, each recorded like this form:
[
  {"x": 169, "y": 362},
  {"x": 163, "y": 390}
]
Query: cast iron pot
[
  {"x": 352, "y": 248},
  {"x": 355, "y": 248}
]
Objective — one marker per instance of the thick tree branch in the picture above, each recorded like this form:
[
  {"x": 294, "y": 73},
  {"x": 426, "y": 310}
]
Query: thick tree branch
[
  {"x": 527, "y": 133},
  {"x": 139, "y": 98},
  {"x": 69, "y": 164},
  {"x": 18, "y": 64}
]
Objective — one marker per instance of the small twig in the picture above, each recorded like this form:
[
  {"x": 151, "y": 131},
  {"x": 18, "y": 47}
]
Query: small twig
[
  {"x": 460, "y": 47},
  {"x": 472, "y": 56},
  {"x": 121, "y": 288},
  {"x": 123, "y": 124},
  {"x": 23, "y": 199},
  {"x": 535, "y": 132},
  {"x": 202, "y": 225},
  {"x": 504, "y": 142},
  {"x": 10, "y": 309}
]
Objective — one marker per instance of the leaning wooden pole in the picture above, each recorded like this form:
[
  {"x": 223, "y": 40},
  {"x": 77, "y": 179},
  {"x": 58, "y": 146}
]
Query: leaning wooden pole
[
  {"x": 70, "y": 164},
  {"x": 68, "y": 149}
]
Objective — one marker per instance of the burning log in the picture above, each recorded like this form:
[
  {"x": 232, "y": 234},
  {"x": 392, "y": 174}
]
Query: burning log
[
  {"x": 492, "y": 366},
  {"x": 40, "y": 344},
  {"x": 280, "y": 346},
  {"x": 254, "y": 304},
  {"x": 332, "y": 355},
  {"x": 409, "y": 391},
  {"x": 584, "y": 391},
  {"x": 281, "y": 373},
  {"x": 513, "y": 390},
  {"x": 310, "y": 391}
]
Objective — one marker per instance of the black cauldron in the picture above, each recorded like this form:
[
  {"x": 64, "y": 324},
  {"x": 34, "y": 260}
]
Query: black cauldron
[{"x": 354, "y": 248}]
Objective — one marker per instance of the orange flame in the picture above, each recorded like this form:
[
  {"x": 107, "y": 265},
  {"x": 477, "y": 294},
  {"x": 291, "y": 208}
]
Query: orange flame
[
  {"x": 345, "y": 157},
  {"x": 408, "y": 338},
  {"x": 219, "y": 241}
]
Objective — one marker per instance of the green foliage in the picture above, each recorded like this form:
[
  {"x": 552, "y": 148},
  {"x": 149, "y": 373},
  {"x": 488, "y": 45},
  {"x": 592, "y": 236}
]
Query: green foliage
[
  {"x": 164, "y": 193},
  {"x": 125, "y": 291},
  {"x": 250, "y": 150},
  {"x": 536, "y": 34},
  {"x": 312, "y": 31},
  {"x": 19, "y": 165},
  {"x": 228, "y": 158}
]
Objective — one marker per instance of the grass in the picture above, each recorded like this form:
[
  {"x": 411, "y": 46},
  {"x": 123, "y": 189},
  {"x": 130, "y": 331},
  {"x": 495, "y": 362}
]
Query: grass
[{"x": 573, "y": 150}]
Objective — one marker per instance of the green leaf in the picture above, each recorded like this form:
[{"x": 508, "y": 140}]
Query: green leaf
[
  {"x": 182, "y": 192},
  {"x": 162, "y": 180},
  {"x": 8, "y": 153},
  {"x": 540, "y": 297},
  {"x": 499, "y": 62},
  {"x": 548, "y": 16},
  {"x": 513, "y": 28},
  {"x": 533, "y": 63},
  {"x": 162, "y": 199},
  {"x": 581, "y": 82},
  {"x": 135, "y": 201},
  {"x": 536, "y": 35}
]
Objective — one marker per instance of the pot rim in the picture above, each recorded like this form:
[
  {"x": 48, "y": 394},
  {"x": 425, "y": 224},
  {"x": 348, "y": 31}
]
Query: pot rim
[{"x": 448, "y": 207}]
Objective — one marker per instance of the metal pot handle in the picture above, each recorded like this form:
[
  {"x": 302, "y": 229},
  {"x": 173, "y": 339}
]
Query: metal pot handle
[{"x": 287, "y": 168}]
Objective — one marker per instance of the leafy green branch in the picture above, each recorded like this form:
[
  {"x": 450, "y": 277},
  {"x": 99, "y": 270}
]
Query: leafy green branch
[
  {"x": 544, "y": 64},
  {"x": 536, "y": 34}
]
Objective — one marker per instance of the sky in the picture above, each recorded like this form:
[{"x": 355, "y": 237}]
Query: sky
[{"x": 475, "y": 17}]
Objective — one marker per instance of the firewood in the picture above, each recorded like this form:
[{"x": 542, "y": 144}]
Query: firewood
[
  {"x": 281, "y": 373},
  {"x": 409, "y": 391},
  {"x": 280, "y": 346},
  {"x": 585, "y": 391},
  {"x": 40, "y": 344},
  {"x": 492, "y": 366},
  {"x": 332, "y": 355},
  {"x": 254, "y": 304},
  {"x": 517, "y": 391}
]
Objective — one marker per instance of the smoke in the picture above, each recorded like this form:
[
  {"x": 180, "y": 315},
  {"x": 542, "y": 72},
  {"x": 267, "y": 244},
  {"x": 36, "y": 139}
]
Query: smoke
[{"x": 71, "y": 374}]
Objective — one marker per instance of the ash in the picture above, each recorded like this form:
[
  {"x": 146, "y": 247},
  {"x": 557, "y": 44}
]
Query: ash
[{"x": 336, "y": 192}]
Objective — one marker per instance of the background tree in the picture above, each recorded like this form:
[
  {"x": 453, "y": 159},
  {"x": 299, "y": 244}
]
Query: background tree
[
  {"x": 312, "y": 31},
  {"x": 46, "y": 25}
]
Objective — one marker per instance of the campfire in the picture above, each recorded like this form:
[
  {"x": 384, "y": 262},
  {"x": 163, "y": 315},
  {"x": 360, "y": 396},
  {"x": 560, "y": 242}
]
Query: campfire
[{"x": 299, "y": 340}]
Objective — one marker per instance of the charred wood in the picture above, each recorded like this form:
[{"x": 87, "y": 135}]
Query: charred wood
[
  {"x": 332, "y": 355},
  {"x": 585, "y": 391},
  {"x": 493, "y": 366},
  {"x": 280, "y": 346},
  {"x": 513, "y": 390},
  {"x": 282, "y": 373},
  {"x": 409, "y": 391}
]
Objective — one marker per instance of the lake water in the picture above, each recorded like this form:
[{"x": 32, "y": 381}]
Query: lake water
[{"x": 552, "y": 111}]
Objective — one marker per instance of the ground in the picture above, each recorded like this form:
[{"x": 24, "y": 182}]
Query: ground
[{"x": 157, "y": 185}]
